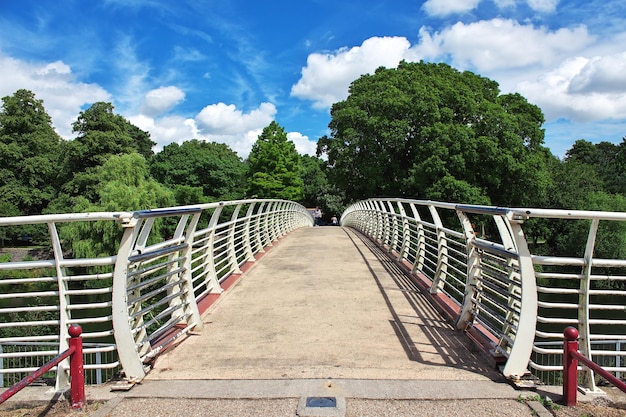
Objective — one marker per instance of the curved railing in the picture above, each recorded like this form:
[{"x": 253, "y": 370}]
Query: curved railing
[
  {"x": 478, "y": 264},
  {"x": 135, "y": 301}
]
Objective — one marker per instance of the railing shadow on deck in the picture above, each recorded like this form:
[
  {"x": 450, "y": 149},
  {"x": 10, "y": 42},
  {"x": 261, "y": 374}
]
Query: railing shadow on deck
[{"x": 454, "y": 347}]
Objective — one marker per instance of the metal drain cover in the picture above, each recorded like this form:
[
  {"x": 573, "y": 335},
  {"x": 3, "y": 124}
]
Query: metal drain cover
[
  {"x": 321, "y": 402},
  {"x": 321, "y": 407}
]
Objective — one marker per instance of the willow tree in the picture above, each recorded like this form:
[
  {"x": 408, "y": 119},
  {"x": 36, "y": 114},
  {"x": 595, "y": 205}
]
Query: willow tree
[
  {"x": 274, "y": 166},
  {"x": 430, "y": 131}
]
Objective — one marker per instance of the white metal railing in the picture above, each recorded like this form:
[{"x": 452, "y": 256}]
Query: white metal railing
[
  {"x": 503, "y": 287},
  {"x": 134, "y": 302}
]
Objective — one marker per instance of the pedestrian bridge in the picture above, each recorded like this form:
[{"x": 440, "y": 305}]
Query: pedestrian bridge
[{"x": 250, "y": 290}]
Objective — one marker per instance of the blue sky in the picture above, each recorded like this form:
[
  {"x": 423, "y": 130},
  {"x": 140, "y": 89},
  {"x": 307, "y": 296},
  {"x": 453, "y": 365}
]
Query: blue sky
[{"x": 223, "y": 70}]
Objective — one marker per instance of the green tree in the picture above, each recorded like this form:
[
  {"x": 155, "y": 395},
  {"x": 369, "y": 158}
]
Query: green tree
[
  {"x": 318, "y": 191},
  {"x": 314, "y": 180},
  {"x": 604, "y": 158},
  {"x": 29, "y": 154},
  {"x": 429, "y": 131},
  {"x": 123, "y": 184},
  {"x": 200, "y": 171},
  {"x": 100, "y": 134},
  {"x": 274, "y": 166}
]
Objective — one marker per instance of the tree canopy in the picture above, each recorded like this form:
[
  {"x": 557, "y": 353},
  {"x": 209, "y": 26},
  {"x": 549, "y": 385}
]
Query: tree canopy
[
  {"x": 100, "y": 134},
  {"x": 211, "y": 168},
  {"x": 29, "y": 155},
  {"x": 274, "y": 166},
  {"x": 429, "y": 131}
]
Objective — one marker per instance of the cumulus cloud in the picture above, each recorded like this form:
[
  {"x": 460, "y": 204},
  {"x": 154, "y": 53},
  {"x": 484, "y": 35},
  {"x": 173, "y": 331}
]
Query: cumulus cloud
[
  {"x": 167, "y": 129},
  {"x": 304, "y": 146},
  {"x": 161, "y": 100},
  {"x": 225, "y": 123},
  {"x": 581, "y": 89},
  {"x": 484, "y": 46},
  {"x": 327, "y": 76},
  {"x": 569, "y": 73},
  {"x": 605, "y": 74},
  {"x": 54, "y": 83},
  {"x": 490, "y": 45},
  {"x": 226, "y": 119},
  {"x": 220, "y": 122}
]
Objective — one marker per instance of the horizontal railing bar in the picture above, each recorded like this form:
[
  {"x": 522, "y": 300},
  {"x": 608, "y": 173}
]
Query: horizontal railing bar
[
  {"x": 147, "y": 283},
  {"x": 150, "y": 294},
  {"x": 62, "y": 218},
  {"x": 159, "y": 252}
]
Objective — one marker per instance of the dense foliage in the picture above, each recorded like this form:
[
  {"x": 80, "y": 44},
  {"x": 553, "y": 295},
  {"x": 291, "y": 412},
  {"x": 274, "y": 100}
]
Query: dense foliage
[
  {"x": 274, "y": 166},
  {"x": 200, "y": 171},
  {"x": 29, "y": 154},
  {"x": 429, "y": 131}
]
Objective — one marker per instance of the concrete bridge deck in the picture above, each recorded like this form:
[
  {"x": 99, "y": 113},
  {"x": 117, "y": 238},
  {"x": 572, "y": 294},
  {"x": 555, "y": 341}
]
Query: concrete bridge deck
[
  {"x": 324, "y": 313},
  {"x": 324, "y": 304}
]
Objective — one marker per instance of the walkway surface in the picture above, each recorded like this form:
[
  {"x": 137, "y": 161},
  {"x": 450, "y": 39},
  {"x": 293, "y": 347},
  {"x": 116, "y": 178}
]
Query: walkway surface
[{"x": 323, "y": 314}]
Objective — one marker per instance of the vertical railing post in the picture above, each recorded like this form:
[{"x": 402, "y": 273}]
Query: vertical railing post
[
  {"x": 584, "y": 342},
  {"x": 259, "y": 227},
  {"x": 230, "y": 246},
  {"x": 522, "y": 348},
  {"x": 77, "y": 370},
  {"x": 406, "y": 234},
  {"x": 442, "y": 253},
  {"x": 474, "y": 275},
  {"x": 122, "y": 324},
  {"x": 420, "y": 241},
  {"x": 247, "y": 238},
  {"x": 570, "y": 366},
  {"x": 64, "y": 299},
  {"x": 393, "y": 224}
]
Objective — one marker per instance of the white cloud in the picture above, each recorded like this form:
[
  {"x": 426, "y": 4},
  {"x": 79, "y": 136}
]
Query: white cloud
[
  {"x": 166, "y": 130},
  {"x": 605, "y": 74},
  {"x": 448, "y": 7},
  {"x": 161, "y": 100},
  {"x": 544, "y": 6},
  {"x": 443, "y": 8},
  {"x": 303, "y": 145},
  {"x": 326, "y": 77},
  {"x": 486, "y": 47},
  {"x": 581, "y": 89},
  {"x": 226, "y": 124},
  {"x": 226, "y": 119},
  {"x": 219, "y": 122},
  {"x": 54, "y": 83},
  {"x": 494, "y": 44}
]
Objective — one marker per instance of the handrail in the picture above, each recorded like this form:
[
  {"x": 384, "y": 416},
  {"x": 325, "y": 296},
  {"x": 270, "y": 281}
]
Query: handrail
[
  {"x": 141, "y": 293},
  {"x": 502, "y": 290},
  {"x": 571, "y": 357},
  {"x": 77, "y": 373}
]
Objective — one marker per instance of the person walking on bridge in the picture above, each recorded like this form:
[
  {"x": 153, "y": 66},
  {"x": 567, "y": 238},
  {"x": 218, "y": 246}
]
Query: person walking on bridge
[{"x": 317, "y": 215}]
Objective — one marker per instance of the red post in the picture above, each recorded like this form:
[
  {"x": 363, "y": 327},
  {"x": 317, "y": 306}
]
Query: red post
[
  {"x": 77, "y": 372},
  {"x": 570, "y": 366}
]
